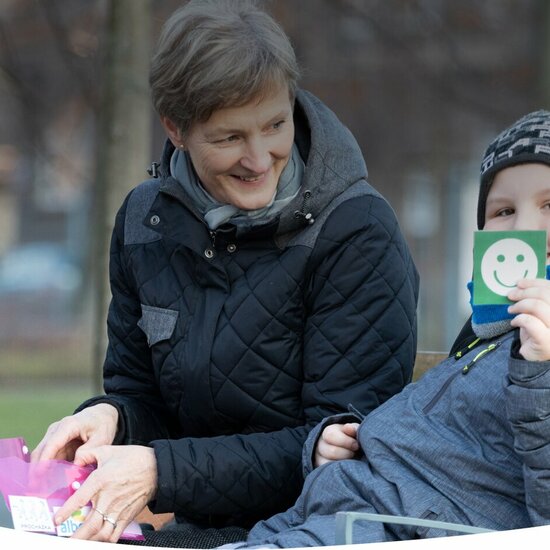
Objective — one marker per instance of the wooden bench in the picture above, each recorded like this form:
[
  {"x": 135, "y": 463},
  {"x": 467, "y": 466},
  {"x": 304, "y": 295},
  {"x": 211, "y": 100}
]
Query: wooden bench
[
  {"x": 424, "y": 360},
  {"x": 156, "y": 520}
]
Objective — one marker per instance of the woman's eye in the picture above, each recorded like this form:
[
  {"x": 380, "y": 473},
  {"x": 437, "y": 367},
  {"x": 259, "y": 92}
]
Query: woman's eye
[
  {"x": 278, "y": 124},
  {"x": 228, "y": 139}
]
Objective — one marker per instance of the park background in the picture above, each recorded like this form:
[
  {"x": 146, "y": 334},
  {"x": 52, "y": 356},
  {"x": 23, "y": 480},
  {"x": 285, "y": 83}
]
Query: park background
[{"x": 423, "y": 85}]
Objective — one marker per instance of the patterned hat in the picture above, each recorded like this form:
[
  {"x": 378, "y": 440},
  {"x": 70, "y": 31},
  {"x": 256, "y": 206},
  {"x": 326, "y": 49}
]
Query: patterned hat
[{"x": 527, "y": 140}]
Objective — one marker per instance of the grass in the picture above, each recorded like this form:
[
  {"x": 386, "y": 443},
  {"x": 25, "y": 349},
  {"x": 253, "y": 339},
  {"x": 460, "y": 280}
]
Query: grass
[
  {"x": 27, "y": 411},
  {"x": 39, "y": 385},
  {"x": 71, "y": 361}
]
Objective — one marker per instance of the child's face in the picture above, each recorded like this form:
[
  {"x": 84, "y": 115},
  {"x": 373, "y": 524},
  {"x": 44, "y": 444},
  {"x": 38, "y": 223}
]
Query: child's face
[{"x": 519, "y": 198}]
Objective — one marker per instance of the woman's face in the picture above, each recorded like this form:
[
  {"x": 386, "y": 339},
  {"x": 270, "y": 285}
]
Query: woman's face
[
  {"x": 240, "y": 152},
  {"x": 519, "y": 198}
]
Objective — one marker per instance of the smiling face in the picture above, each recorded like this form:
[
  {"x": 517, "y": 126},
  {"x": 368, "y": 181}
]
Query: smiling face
[
  {"x": 519, "y": 199},
  {"x": 505, "y": 262},
  {"x": 239, "y": 153}
]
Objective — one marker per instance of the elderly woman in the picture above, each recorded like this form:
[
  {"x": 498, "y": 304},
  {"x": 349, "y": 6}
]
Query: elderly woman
[{"x": 259, "y": 284}]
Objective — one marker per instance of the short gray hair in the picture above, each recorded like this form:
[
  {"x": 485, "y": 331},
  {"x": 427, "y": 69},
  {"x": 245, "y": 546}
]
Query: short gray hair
[{"x": 218, "y": 53}]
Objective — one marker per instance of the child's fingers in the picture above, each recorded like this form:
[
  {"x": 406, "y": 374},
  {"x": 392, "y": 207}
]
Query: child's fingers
[
  {"x": 531, "y": 288},
  {"x": 332, "y": 452},
  {"x": 336, "y": 436},
  {"x": 337, "y": 442},
  {"x": 529, "y": 283},
  {"x": 350, "y": 429},
  {"x": 534, "y": 336},
  {"x": 535, "y": 307},
  {"x": 531, "y": 324}
]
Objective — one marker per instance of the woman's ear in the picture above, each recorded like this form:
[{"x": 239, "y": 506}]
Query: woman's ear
[{"x": 173, "y": 132}]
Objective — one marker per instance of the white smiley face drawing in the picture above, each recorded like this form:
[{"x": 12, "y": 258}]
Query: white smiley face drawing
[{"x": 505, "y": 262}]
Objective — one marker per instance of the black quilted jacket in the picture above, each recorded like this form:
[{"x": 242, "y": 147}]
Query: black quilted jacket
[{"x": 226, "y": 348}]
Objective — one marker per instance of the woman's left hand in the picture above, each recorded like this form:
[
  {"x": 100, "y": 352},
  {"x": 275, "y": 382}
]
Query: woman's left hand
[
  {"x": 124, "y": 481},
  {"x": 532, "y": 309}
]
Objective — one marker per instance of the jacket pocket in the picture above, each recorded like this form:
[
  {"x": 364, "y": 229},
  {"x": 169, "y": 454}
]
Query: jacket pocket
[{"x": 157, "y": 323}]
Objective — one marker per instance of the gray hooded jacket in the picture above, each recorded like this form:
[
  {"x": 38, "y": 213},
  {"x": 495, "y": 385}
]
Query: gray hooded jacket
[{"x": 468, "y": 443}]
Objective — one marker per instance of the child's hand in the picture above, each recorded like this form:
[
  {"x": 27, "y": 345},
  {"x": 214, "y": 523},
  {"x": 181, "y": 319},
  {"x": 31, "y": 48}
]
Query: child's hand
[
  {"x": 337, "y": 442},
  {"x": 532, "y": 297}
]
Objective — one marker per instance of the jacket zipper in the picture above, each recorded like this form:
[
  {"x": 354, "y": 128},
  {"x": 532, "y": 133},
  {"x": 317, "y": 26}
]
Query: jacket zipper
[
  {"x": 464, "y": 370},
  {"x": 465, "y": 350},
  {"x": 307, "y": 217},
  {"x": 468, "y": 367}
]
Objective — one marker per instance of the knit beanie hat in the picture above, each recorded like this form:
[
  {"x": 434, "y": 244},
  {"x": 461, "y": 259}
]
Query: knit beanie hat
[{"x": 527, "y": 140}]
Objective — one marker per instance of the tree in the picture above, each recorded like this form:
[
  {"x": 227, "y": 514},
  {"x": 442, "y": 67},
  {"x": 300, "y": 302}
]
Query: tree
[{"x": 123, "y": 138}]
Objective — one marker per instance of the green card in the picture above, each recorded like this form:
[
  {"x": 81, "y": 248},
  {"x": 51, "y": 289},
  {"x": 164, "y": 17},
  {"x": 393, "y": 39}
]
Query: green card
[{"x": 502, "y": 258}]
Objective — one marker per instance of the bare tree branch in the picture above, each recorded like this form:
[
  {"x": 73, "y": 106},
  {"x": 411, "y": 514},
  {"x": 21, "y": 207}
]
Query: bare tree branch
[
  {"x": 60, "y": 34},
  {"x": 454, "y": 85}
]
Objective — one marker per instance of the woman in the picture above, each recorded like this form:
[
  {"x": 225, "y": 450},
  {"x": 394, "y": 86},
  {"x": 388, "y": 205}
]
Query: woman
[{"x": 259, "y": 284}]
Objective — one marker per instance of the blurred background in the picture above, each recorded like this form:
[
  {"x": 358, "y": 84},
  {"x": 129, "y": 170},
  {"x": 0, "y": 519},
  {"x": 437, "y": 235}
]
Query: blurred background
[{"x": 424, "y": 85}]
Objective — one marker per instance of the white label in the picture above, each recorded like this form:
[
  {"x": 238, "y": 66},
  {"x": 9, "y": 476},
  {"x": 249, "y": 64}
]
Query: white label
[
  {"x": 31, "y": 514},
  {"x": 70, "y": 525}
]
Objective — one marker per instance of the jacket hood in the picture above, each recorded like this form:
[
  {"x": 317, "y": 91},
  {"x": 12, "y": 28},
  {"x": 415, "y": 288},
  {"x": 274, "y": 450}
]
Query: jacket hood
[
  {"x": 334, "y": 160},
  {"x": 332, "y": 157}
]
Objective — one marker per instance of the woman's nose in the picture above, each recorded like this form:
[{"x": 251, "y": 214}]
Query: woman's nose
[{"x": 256, "y": 157}]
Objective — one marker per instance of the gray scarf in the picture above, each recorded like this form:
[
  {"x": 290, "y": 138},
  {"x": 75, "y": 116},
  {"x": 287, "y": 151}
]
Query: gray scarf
[{"x": 216, "y": 213}]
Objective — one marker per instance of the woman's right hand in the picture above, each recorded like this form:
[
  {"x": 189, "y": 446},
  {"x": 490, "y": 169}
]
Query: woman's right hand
[
  {"x": 92, "y": 427},
  {"x": 337, "y": 442}
]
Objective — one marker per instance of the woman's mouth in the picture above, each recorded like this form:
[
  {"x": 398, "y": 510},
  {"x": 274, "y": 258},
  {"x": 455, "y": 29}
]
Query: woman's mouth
[{"x": 250, "y": 179}]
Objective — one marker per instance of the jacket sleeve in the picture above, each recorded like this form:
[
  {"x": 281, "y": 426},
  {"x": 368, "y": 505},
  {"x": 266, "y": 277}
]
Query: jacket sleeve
[
  {"x": 359, "y": 344},
  {"x": 528, "y": 409},
  {"x": 127, "y": 372}
]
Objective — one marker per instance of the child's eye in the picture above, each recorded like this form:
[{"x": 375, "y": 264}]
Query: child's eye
[
  {"x": 278, "y": 125},
  {"x": 504, "y": 212}
]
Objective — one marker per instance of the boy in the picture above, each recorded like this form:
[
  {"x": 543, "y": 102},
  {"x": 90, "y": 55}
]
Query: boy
[{"x": 470, "y": 442}]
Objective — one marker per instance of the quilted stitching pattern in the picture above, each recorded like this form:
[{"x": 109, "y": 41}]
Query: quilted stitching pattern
[
  {"x": 267, "y": 343},
  {"x": 279, "y": 360}
]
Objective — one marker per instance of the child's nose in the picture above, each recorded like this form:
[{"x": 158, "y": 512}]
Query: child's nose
[{"x": 530, "y": 222}]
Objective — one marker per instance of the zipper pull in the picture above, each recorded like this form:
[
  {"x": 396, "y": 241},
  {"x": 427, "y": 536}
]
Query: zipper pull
[
  {"x": 213, "y": 238},
  {"x": 465, "y": 350},
  {"x": 307, "y": 217},
  {"x": 466, "y": 368},
  {"x": 153, "y": 170}
]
